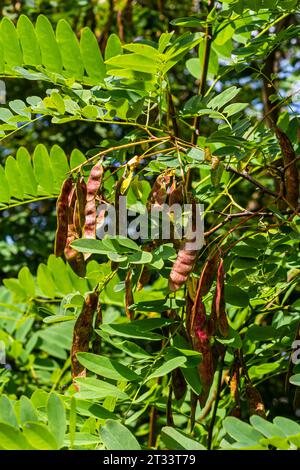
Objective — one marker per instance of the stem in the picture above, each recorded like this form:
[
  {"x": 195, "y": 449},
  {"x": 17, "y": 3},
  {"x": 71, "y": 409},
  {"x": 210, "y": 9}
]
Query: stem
[
  {"x": 170, "y": 421},
  {"x": 152, "y": 437},
  {"x": 205, "y": 63},
  {"x": 172, "y": 114},
  {"x": 218, "y": 394}
]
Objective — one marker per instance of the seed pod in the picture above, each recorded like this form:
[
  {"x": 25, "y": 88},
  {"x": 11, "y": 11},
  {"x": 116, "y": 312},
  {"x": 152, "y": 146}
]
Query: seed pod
[
  {"x": 144, "y": 278},
  {"x": 255, "y": 402},
  {"x": 201, "y": 343},
  {"x": 73, "y": 257},
  {"x": 158, "y": 195},
  {"x": 182, "y": 266},
  {"x": 93, "y": 186},
  {"x": 207, "y": 275},
  {"x": 206, "y": 372},
  {"x": 62, "y": 217},
  {"x": 219, "y": 302},
  {"x": 291, "y": 175},
  {"x": 176, "y": 194},
  {"x": 79, "y": 213},
  {"x": 82, "y": 333},
  {"x": 129, "y": 300},
  {"x": 178, "y": 384},
  {"x": 217, "y": 169}
]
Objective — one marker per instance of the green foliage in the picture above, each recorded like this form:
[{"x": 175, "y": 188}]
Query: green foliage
[{"x": 210, "y": 106}]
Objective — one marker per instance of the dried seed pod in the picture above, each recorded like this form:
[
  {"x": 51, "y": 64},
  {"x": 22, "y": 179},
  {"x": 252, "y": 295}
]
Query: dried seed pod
[
  {"x": 62, "y": 217},
  {"x": 158, "y": 195},
  {"x": 74, "y": 258},
  {"x": 217, "y": 169},
  {"x": 93, "y": 186},
  {"x": 82, "y": 333},
  {"x": 79, "y": 214},
  {"x": 291, "y": 175},
  {"x": 182, "y": 266},
  {"x": 176, "y": 194},
  {"x": 207, "y": 275},
  {"x": 178, "y": 384},
  {"x": 255, "y": 402},
  {"x": 129, "y": 300}
]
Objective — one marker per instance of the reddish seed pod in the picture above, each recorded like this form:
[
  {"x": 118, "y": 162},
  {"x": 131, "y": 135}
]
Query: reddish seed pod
[
  {"x": 206, "y": 372},
  {"x": 62, "y": 217},
  {"x": 201, "y": 343},
  {"x": 93, "y": 186},
  {"x": 219, "y": 302},
  {"x": 82, "y": 333}
]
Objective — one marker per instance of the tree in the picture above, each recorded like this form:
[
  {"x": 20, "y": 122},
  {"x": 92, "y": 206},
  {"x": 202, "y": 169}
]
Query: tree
[{"x": 150, "y": 341}]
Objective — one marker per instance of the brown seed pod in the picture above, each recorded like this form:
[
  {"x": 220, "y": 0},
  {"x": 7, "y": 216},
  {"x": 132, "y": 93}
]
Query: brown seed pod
[
  {"x": 74, "y": 258},
  {"x": 158, "y": 195},
  {"x": 207, "y": 275},
  {"x": 129, "y": 300},
  {"x": 93, "y": 186},
  {"x": 82, "y": 333},
  {"x": 178, "y": 384},
  {"x": 62, "y": 217},
  {"x": 79, "y": 213},
  {"x": 255, "y": 402},
  {"x": 176, "y": 194},
  {"x": 291, "y": 175}
]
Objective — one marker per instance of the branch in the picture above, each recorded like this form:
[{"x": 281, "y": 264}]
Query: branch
[
  {"x": 229, "y": 217},
  {"x": 244, "y": 174},
  {"x": 205, "y": 63}
]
